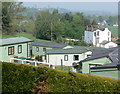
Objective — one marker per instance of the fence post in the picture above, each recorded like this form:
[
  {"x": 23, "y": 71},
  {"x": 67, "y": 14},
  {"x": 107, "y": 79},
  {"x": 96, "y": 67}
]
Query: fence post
[
  {"x": 61, "y": 64},
  {"x": 22, "y": 62},
  {"x": 10, "y": 60},
  {"x": 35, "y": 63},
  {"x": 49, "y": 64}
]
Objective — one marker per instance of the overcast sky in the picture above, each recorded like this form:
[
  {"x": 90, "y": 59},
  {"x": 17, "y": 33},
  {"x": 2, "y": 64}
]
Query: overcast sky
[{"x": 111, "y": 7}]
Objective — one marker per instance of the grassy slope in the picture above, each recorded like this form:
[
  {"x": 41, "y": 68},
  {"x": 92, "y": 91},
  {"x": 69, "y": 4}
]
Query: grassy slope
[
  {"x": 114, "y": 31},
  {"x": 26, "y": 78},
  {"x": 30, "y": 36}
]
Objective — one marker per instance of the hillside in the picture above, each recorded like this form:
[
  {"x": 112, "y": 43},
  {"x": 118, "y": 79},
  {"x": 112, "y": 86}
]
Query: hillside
[
  {"x": 20, "y": 78},
  {"x": 27, "y": 35},
  {"x": 114, "y": 31}
]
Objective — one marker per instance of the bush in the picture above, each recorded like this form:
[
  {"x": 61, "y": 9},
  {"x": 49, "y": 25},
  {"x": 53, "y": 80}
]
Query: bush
[{"x": 19, "y": 78}]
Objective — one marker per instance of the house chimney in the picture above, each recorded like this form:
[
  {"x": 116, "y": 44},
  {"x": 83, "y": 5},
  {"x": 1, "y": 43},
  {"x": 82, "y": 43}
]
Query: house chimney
[
  {"x": 87, "y": 27},
  {"x": 106, "y": 26},
  {"x": 91, "y": 28},
  {"x": 98, "y": 26}
]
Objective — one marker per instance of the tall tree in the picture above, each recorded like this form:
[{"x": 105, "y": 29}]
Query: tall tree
[
  {"x": 10, "y": 11},
  {"x": 94, "y": 22},
  {"x": 43, "y": 25}
]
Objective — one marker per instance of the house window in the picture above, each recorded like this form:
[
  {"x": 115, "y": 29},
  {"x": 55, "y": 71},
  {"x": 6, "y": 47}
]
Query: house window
[
  {"x": 76, "y": 57},
  {"x": 66, "y": 58},
  {"x": 11, "y": 50},
  {"x": 88, "y": 55},
  {"x": 37, "y": 49},
  {"x": 44, "y": 49},
  {"x": 98, "y": 33},
  {"x": 95, "y": 34},
  {"x": 19, "y": 49}
]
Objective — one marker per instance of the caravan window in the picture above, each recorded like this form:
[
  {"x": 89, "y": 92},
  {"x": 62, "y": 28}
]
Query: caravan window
[
  {"x": 76, "y": 57},
  {"x": 11, "y": 50},
  {"x": 37, "y": 49},
  {"x": 19, "y": 49},
  {"x": 66, "y": 58}
]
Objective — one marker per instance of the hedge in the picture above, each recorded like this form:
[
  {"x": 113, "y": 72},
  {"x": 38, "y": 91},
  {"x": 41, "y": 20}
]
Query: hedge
[{"x": 20, "y": 78}]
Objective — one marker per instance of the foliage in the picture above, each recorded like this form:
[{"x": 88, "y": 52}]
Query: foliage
[
  {"x": 19, "y": 78},
  {"x": 39, "y": 58},
  {"x": 54, "y": 26},
  {"x": 114, "y": 31},
  {"x": 10, "y": 12}
]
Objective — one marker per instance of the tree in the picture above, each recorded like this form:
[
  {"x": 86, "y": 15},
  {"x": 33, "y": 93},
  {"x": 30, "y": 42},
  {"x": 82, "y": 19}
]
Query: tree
[
  {"x": 43, "y": 25},
  {"x": 87, "y": 22},
  {"x": 100, "y": 19},
  {"x": 10, "y": 11},
  {"x": 48, "y": 25},
  {"x": 94, "y": 22},
  {"x": 58, "y": 28}
]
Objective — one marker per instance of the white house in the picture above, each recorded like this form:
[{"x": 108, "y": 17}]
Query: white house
[
  {"x": 66, "y": 57},
  {"x": 95, "y": 36}
]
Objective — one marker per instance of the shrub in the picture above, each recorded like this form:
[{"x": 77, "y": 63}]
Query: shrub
[{"x": 20, "y": 78}]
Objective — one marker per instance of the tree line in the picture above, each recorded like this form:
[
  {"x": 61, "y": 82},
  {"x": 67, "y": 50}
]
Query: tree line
[{"x": 47, "y": 25}]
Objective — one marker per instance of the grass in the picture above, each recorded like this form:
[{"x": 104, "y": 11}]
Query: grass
[
  {"x": 114, "y": 30},
  {"x": 21, "y": 78},
  {"x": 64, "y": 68},
  {"x": 27, "y": 35}
]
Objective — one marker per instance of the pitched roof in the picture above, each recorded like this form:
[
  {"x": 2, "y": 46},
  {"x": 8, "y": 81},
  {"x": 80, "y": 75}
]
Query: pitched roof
[
  {"x": 66, "y": 51},
  {"x": 45, "y": 44},
  {"x": 92, "y": 29},
  {"x": 95, "y": 50},
  {"x": 114, "y": 56},
  {"x": 104, "y": 42},
  {"x": 14, "y": 40},
  {"x": 102, "y": 53},
  {"x": 96, "y": 57},
  {"x": 114, "y": 64}
]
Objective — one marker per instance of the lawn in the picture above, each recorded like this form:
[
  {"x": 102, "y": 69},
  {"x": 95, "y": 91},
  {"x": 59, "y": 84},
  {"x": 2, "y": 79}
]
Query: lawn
[
  {"x": 30, "y": 36},
  {"x": 114, "y": 30}
]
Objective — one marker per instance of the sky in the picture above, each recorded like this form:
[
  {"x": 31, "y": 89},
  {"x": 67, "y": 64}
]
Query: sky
[{"x": 111, "y": 7}]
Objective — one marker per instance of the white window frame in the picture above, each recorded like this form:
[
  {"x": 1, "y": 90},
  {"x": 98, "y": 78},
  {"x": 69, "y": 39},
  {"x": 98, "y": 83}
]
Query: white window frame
[
  {"x": 19, "y": 49},
  {"x": 65, "y": 57}
]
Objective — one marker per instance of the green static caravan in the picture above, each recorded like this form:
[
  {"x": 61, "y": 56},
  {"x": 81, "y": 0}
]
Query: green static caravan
[
  {"x": 93, "y": 61},
  {"x": 109, "y": 70},
  {"x": 39, "y": 48},
  {"x": 66, "y": 57},
  {"x": 102, "y": 64},
  {"x": 14, "y": 47}
]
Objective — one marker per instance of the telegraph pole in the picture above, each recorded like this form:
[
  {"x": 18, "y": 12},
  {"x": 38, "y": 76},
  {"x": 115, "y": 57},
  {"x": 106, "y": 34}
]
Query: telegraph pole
[{"x": 51, "y": 31}]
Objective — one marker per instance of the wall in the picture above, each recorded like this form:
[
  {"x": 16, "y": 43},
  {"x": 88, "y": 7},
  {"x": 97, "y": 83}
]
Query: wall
[
  {"x": 91, "y": 39},
  {"x": 104, "y": 35},
  {"x": 55, "y": 59},
  {"x": 85, "y": 65},
  {"x": 4, "y": 52},
  {"x": 40, "y": 52},
  {"x": 111, "y": 72},
  {"x": 88, "y": 37}
]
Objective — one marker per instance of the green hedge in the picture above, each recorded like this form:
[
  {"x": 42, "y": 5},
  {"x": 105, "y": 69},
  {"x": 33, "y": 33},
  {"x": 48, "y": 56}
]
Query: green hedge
[{"x": 27, "y": 79}]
